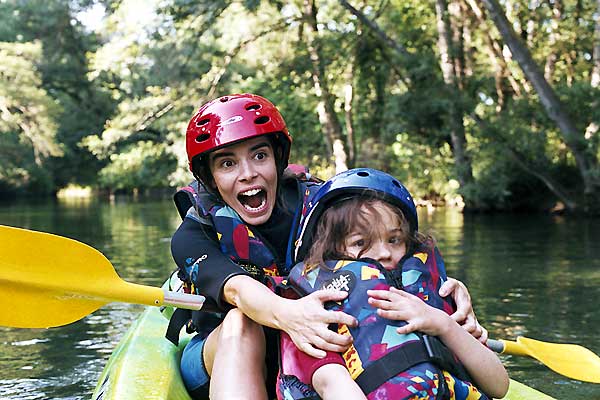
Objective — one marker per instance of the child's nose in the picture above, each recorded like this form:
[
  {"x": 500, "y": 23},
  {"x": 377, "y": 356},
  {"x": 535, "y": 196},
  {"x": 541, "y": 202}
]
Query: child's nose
[{"x": 382, "y": 251}]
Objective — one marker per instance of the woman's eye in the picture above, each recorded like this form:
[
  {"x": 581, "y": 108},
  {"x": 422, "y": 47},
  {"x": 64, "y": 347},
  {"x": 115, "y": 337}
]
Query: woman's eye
[
  {"x": 260, "y": 155},
  {"x": 227, "y": 164}
]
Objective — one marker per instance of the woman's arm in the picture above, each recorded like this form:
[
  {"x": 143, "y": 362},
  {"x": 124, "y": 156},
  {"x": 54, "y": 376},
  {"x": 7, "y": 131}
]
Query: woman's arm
[
  {"x": 483, "y": 365},
  {"x": 464, "y": 315},
  {"x": 197, "y": 253},
  {"x": 305, "y": 319}
]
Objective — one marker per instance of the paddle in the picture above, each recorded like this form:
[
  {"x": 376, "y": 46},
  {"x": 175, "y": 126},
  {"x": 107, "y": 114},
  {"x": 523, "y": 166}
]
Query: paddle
[
  {"x": 570, "y": 360},
  {"x": 48, "y": 280}
]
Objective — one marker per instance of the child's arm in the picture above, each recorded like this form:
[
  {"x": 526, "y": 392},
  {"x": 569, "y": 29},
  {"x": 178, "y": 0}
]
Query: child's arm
[
  {"x": 483, "y": 365},
  {"x": 333, "y": 382}
]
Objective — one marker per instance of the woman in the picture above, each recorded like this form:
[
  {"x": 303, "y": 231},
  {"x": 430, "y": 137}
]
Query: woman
[{"x": 238, "y": 148}]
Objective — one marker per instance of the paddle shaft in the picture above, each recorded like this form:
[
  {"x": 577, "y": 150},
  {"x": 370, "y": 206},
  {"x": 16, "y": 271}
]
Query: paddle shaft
[
  {"x": 506, "y": 347},
  {"x": 183, "y": 300}
]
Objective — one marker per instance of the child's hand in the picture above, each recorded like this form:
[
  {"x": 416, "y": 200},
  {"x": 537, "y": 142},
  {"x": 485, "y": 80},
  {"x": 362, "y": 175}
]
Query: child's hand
[{"x": 399, "y": 305}]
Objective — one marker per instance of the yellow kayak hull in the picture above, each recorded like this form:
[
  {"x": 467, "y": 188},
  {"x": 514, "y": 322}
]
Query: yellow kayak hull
[{"x": 145, "y": 365}]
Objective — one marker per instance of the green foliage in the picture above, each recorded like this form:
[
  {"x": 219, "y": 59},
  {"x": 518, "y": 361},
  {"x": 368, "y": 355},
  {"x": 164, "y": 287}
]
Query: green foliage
[
  {"x": 27, "y": 120},
  {"x": 63, "y": 69},
  {"x": 113, "y": 104},
  {"x": 426, "y": 171},
  {"x": 145, "y": 165}
]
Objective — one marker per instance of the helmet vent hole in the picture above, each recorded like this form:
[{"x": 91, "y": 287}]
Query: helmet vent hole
[
  {"x": 363, "y": 174},
  {"x": 253, "y": 107},
  {"x": 397, "y": 184},
  {"x": 202, "y": 122},
  {"x": 202, "y": 137},
  {"x": 262, "y": 120},
  {"x": 224, "y": 99}
]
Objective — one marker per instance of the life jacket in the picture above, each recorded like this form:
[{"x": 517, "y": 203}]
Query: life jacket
[
  {"x": 237, "y": 240},
  {"x": 384, "y": 363}
]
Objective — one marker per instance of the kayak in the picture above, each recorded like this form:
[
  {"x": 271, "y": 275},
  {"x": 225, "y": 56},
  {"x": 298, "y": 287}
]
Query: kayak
[{"x": 145, "y": 365}]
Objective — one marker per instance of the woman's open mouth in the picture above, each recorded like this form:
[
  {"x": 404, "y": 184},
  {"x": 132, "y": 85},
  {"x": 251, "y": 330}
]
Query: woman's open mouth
[{"x": 253, "y": 200}]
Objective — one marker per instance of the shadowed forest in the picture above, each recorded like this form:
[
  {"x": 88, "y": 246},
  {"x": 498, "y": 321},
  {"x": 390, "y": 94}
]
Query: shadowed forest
[{"x": 489, "y": 104}]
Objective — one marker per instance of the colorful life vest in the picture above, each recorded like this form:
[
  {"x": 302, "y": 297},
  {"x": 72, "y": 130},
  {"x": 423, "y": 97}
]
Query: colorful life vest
[
  {"x": 384, "y": 363},
  {"x": 237, "y": 240}
]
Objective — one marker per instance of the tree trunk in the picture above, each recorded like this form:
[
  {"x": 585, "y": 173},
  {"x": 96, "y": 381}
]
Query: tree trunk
[
  {"x": 469, "y": 49},
  {"x": 348, "y": 115},
  {"x": 555, "y": 187},
  {"x": 538, "y": 171},
  {"x": 596, "y": 54},
  {"x": 376, "y": 29},
  {"x": 586, "y": 163},
  {"x": 325, "y": 109},
  {"x": 553, "y": 39},
  {"x": 450, "y": 64},
  {"x": 592, "y": 128},
  {"x": 494, "y": 50}
]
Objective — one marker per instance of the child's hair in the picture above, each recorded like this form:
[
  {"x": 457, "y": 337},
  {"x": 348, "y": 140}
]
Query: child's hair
[{"x": 346, "y": 216}]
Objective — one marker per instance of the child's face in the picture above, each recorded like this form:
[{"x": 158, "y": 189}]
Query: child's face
[{"x": 387, "y": 247}]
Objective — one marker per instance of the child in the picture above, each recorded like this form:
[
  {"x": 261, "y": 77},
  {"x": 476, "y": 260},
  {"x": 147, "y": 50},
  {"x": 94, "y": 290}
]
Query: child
[{"x": 360, "y": 235}]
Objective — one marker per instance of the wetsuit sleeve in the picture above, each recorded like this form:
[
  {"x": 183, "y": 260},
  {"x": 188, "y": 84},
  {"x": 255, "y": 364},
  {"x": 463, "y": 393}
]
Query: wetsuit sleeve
[{"x": 197, "y": 254}]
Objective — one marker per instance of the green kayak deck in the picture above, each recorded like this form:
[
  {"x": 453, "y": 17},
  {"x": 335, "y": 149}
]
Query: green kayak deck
[{"x": 145, "y": 365}]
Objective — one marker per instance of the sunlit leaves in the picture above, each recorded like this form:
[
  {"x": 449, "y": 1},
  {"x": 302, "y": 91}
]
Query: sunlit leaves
[
  {"x": 27, "y": 117},
  {"x": 143, "y": 165},
  {"x": 129, "y": 87}
]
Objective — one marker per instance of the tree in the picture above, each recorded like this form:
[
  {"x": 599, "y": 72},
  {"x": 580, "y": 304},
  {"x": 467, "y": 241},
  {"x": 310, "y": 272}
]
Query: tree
[
  {"x": 27, "y": 120},
  {"x": 586, "y": 160},
  {"x": 452, "y": 66},
  {"x": 63, "y": 67},
  {"x": 327, "y": 114}
]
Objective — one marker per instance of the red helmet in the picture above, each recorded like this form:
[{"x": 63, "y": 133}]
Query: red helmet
[{"x": 232, "y": 118}]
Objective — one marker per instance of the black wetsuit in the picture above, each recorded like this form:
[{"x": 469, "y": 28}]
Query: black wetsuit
[{"x": 193, "y": 240}]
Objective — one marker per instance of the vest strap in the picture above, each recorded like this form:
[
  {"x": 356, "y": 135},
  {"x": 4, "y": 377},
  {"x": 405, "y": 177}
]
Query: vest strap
[
  {"x": 429, "y": 349},
  {"x": 178, "y": 320}
]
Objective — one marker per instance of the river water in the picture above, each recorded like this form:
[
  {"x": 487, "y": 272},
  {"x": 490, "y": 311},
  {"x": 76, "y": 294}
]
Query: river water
[{"x": 529, "y": 275}]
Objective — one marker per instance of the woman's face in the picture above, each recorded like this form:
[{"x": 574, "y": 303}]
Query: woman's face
[
  {"x": 388, "y": 244},
  {"x": 245, "y": 174}
]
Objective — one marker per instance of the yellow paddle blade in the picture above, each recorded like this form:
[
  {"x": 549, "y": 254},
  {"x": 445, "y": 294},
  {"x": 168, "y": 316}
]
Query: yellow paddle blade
[
  {"x": 570, "y": 360},
  {"x": 48, "y": 280}
]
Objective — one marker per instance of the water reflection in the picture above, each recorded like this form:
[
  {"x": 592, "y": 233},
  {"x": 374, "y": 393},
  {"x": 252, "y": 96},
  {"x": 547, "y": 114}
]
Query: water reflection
[
  {"x": 529, "y": 275},
  {"x": 64, "y": 363}
]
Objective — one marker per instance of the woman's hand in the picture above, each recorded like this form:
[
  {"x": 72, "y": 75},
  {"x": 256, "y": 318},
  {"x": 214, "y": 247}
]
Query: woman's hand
[
  {"x": 399, "y": 305},
  {"x": 307, "y": 323},
  {"x": 464, "y": 314}
]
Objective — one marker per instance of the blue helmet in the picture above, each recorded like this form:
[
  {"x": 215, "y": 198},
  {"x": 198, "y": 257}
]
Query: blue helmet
[{"x": 353, "y": 182}]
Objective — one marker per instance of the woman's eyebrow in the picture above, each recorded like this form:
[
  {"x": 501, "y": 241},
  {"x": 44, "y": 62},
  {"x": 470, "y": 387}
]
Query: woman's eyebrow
[
  {"x": 224, "y": 153},
  {"x": 259, "y": 145},
  {"x": 216, "y": 155}
]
